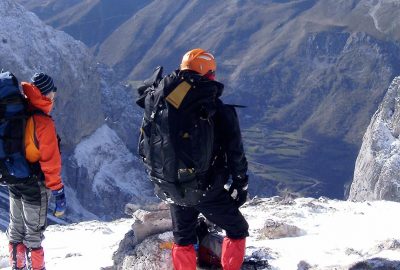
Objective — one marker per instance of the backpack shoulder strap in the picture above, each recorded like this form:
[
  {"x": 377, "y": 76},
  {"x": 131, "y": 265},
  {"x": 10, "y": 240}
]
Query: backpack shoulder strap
[
  {"x": 235, "y": 105},
  {"x": 11, "y": 100},
  {"x": 15, "y": 99},
  {"x": 38, "y": 112}
]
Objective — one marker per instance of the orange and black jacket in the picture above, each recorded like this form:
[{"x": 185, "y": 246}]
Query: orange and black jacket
[{"x": 41, "y": 143}]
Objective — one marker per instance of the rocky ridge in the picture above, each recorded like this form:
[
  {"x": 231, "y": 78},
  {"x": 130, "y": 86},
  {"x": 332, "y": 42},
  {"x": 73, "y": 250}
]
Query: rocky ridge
[{"x": 377, "y": 175}]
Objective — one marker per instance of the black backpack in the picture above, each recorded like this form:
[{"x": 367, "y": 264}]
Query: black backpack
[
  {"x": 177, "y": 134},
  {"x": 14, "y": 168}
]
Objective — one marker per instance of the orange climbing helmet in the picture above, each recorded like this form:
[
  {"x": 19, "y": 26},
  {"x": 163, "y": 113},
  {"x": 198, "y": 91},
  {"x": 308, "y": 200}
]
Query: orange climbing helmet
[{"x": 200, "y": 61}]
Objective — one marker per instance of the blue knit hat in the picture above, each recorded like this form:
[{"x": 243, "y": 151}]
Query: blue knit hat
[{"x": 44, "y": 82}]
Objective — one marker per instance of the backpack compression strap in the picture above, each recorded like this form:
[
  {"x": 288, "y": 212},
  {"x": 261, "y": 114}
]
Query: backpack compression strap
[
  {"x": 11, "y": 100},
  {"x": 154, "y": 110},
  {"x": 38, "y": 112}
]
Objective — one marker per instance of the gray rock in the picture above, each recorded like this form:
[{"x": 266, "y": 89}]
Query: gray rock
[
  {"x": 303, "y": 265},
  {"x": 152, "y": 253},
  {"x": 276, "y": 230},
  {"x": 160, "y": 210},
  {"x": 146, "y": 239},
  {"x": 125, "y": 248},
  {"x": 352, "y": 251},
  {"x": 390, "y": 244},
  {"x": 119, "y": 107},
  {"x": 376, "y": 175},
  {"x": 376, "y": 264}
]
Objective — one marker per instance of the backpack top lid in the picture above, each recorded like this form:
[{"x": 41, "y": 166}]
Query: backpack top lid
[
  {"x": 8, "y": 85},
  {"x": 148, "y": 84}
]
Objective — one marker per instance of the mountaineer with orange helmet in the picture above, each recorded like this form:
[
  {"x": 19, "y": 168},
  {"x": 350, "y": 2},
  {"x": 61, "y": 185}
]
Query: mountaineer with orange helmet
[
  {"x": 200, "y": 61},
  {"x": 190, "y": 163},
  {"x": 29, "y": 201}
]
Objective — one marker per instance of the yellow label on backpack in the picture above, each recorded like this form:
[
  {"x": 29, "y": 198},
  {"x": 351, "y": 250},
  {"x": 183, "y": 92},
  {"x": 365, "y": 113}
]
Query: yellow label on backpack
[
  {"x": 176, "y": 97},
  {"x": 166, "y": 245}
]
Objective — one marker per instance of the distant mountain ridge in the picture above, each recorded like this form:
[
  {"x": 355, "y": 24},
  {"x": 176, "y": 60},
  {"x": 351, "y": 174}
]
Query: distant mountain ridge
[{"x": 312, "y": 71}]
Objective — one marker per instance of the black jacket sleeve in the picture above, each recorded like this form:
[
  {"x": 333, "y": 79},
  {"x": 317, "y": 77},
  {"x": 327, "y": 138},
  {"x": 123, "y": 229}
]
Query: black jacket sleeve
[{"x": 231, "y": 139}]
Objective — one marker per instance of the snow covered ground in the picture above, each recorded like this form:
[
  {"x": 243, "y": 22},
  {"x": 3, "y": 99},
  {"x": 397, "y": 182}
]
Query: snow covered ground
[
  {"x": 85, "y": 245},
  {"x": 334, "y": 233},
  {"x": 323, "y": 233}
]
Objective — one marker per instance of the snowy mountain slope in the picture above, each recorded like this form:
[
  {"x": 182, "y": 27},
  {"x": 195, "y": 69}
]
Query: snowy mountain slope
[{"x": 330, "y": 234}]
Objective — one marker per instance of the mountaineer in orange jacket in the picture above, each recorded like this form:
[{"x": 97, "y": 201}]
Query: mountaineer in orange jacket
[{"x": 29, "y": 202}]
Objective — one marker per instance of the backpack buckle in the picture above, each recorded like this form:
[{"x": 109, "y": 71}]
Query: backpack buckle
[{"x": 186, "y": 174}]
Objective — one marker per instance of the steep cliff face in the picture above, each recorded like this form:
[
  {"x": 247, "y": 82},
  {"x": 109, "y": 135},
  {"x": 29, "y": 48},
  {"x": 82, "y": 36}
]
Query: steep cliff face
[
  {"x": 28, "y": 45},
  {"x": 377, "y": 174},
  {"x": 119, "y": 107}
]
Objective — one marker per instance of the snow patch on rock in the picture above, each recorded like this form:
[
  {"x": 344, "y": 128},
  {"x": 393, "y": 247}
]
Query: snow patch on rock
[
  {"x": 109, "y": 175},
  {"x": 108, "y": 162},
  {"x": 376, "y": 174}
]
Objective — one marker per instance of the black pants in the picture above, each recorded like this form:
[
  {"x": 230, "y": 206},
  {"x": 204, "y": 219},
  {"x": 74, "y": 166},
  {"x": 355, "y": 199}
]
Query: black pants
[{"x": 217, "y": 207}]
